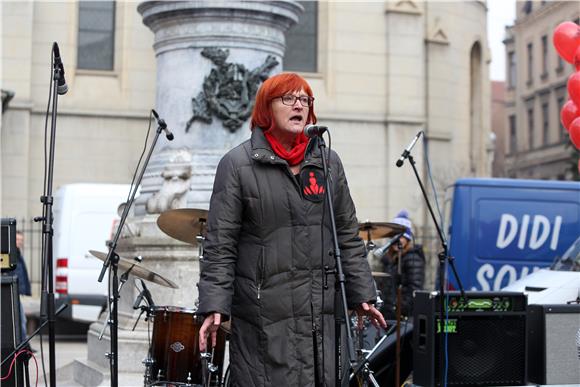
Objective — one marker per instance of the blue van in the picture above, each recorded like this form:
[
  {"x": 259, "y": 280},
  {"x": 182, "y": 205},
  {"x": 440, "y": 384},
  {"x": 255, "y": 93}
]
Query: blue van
[{"x": 501, "y": 230}]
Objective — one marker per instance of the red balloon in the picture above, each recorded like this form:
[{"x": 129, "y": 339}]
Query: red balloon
[
  {"x": 577, "y": 59},
  {"x": 567, "y": 39},
  {"x": 575, "y": 133},
  {"x": 568, "y": 113},
  {"x": 574, "y": 87}
]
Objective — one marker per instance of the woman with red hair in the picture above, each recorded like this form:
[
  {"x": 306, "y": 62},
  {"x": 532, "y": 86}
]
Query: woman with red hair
[{"x": 267, "y": 244}]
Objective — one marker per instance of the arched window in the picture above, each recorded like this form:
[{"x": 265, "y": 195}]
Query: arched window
[{"x": 475, "y": 103}]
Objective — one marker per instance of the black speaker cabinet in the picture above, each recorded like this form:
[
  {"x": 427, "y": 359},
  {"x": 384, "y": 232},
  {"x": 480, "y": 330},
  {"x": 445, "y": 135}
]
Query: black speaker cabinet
[
  {"x": 485, "y": 334},
  {"x": 8, "y": 251},
  {"x": 554, "y": 344},
  {"x": 10, "y": 329}
]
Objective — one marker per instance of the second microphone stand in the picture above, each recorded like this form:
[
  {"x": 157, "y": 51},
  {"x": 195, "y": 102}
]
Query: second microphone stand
[
  {"x": 112, "y": 262},
  {"x": 443, "y": 257}
]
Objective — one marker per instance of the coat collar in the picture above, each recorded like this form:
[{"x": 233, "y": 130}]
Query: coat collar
[{"x": 262, "y": 151}]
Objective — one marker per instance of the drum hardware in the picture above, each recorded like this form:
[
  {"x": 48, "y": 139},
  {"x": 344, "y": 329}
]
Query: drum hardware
[
  {"x": 137, "y": 269},
  {"x": 108, "y": 321},
  {"x": 144, "y": 294},
  {"x": 184, "y": 224},
  {"x": 148, "y": 363},
  {"x": 200, "y": 238},
  {"x": 378, "y": 230}
]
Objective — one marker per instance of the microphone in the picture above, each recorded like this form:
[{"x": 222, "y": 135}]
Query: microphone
[
  {"x": 163, "y": 125},
  {"x": 147, "y": 294},
  {"x": 378, "y": 253},
  {"x": 138, "y": 300},
  {"x": 407, "y": 150},
  {"x": 314, "y": 130},
  {"x": 61, "y": 88}
]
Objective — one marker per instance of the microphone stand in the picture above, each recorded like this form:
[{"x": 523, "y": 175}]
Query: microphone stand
[
  {"x": 443, "y": 257},
  {"x": 47, "y": 300},
  {"x": 112, "y": 261},
  {"x": 399, "y": 283},
  {"x": 341, "y": 307}
]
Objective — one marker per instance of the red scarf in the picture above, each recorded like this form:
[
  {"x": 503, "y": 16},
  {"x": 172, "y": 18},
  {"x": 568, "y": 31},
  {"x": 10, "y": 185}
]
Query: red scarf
[{"x": 295, "y": 155}]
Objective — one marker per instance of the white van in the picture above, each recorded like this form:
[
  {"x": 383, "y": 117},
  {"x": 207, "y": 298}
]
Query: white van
[{"x": 84, "y": 218}]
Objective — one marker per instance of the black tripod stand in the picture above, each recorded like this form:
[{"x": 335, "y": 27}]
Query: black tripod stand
[{"x": 443, "y": 256}]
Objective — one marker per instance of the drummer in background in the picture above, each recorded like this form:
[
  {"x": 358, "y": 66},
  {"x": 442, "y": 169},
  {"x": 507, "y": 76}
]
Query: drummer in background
[
  {"x": 412, "y": 271},
  {"x": 268, "y": 238}
]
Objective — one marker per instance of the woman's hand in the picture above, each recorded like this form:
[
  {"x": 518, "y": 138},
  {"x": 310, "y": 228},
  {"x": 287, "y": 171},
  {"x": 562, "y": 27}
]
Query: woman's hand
[
  {"x": 210, "y": 326},
  {"x": 372, "y": 313}
]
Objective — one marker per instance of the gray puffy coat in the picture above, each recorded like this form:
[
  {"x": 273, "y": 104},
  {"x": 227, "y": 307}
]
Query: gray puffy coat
[{"x": 264, "y": 252}]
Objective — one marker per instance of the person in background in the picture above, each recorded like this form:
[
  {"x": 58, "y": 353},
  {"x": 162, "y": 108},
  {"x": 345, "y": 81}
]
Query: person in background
[
  {"x": 23, "y": 280},
  {"x": 412, "y": 270},
  {"x": 267, "y": 246}
]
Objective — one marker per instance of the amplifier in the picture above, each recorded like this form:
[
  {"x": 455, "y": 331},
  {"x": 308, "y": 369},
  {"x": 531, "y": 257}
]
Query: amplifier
[
  {"x": 10, "y": 335},
  {"x": 554, "y": 344},
  {"x": 485, "y": 334},
  {"x": 8, "y": 252}
]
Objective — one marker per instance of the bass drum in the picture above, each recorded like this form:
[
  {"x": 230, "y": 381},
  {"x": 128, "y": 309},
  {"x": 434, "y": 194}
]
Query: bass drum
[{"x": 175, "y": 349}]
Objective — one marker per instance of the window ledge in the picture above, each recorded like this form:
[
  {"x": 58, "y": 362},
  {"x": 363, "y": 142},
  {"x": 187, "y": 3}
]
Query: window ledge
[
  {"x": 544, "y": 76},
  {"x": 97, "y": 73},
  {"x": 529, "y": 82}
]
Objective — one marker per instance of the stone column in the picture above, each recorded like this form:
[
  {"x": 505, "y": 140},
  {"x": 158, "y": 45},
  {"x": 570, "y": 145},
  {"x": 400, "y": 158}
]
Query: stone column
[{"x": 211, "y": 58}]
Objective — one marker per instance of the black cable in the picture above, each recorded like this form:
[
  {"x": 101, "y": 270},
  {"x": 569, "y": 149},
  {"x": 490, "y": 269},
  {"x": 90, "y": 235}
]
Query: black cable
[
  {"x": 131, "y": 188},
  {"x": 442, "y": 378},
  {"x": 441, "y": 219}
]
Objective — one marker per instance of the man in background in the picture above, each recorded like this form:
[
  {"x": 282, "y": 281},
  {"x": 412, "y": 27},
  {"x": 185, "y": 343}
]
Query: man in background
[{"x": 23, "y": 280}]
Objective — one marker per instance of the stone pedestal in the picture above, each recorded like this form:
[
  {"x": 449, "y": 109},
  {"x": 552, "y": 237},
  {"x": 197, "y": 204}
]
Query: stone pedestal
[
  {"x": 250, "y": 32},
  {"x": 240, "y": 40}
]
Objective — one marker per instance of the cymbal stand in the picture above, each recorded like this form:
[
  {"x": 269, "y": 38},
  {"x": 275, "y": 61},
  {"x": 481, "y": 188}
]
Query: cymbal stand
[
  {"x": 370, "y": 245},
  {"x": 112, "y": 261},
  {"x": 107, "y": 322}
]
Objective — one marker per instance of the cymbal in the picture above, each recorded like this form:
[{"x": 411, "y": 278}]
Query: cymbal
[
  {"x": 183, "y": 224},
  {"x": 138, "y": 270},
  {"x": 377, "y": 230},
  {"x": 380, "y": 274}
]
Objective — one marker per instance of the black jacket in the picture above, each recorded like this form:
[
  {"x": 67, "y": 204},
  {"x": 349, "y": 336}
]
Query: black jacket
[
  {"x": 413, "y": 278},
  {"x": 22, "y": 274},
  {"x": 265, "y": 248}
]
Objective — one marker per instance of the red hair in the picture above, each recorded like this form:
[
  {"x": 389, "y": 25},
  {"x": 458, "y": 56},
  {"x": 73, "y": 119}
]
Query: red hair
[{"x": 274, "y": 87}]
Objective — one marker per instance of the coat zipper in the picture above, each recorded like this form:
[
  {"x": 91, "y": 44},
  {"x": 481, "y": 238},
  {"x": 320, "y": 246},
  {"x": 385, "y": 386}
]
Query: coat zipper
[{"x": 260, "y": 271}]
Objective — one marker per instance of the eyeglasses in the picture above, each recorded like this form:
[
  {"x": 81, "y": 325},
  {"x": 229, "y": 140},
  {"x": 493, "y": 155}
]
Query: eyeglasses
[{"x": 290, "y": 100}]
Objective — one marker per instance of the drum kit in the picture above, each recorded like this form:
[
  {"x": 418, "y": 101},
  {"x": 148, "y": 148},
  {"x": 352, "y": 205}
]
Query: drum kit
[{"x": 174, "y": 357}]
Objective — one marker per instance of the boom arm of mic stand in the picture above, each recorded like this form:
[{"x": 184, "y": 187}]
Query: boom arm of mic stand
[
  {"x": 445, "y": 253},
  {"x": 113, "y": 244}
]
